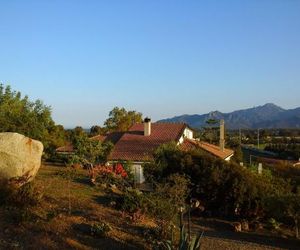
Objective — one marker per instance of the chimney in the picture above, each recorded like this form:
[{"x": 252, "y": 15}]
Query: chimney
[
  {"x": 222, "y": 135},
  {"x": 147, "y": 126}
]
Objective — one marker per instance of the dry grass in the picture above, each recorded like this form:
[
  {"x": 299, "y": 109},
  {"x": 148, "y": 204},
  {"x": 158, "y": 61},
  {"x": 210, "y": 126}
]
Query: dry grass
[{"x": 68, "y": 203}]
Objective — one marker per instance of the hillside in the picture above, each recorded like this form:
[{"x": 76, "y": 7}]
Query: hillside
[
  {"x": 265, "y": 116},
  {"x": 69, "y": 205}
]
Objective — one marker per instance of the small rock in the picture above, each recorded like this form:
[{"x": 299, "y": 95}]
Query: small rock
[
  {"x": 237, "y": 226},
  {"x": 245, "y": 225},
  {"x": 112, "y": 203}
]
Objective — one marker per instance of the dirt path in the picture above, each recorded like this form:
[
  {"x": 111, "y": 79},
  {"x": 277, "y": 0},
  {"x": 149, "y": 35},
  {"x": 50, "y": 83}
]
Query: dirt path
[{"x": 219, "y": 235}]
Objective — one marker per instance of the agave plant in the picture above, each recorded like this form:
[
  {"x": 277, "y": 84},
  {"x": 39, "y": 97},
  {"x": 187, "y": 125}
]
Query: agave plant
[{"x": 186, "y": 244}]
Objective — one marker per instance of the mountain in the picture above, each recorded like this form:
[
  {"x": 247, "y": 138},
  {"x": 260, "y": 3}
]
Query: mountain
[{"x": 265, "y": 116}]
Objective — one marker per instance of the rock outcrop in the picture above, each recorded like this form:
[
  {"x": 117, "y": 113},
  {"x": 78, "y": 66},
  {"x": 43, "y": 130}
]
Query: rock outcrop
[{"x": 20, "y": 158}]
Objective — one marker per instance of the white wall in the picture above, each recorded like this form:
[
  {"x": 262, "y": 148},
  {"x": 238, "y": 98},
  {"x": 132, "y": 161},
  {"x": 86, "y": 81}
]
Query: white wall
[
  {"x": 138, "y": 172},
  {"x": 187, "y": 133}
]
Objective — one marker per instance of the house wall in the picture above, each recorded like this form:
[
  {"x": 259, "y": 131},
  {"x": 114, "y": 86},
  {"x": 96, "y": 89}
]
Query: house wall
[
  {"x": 138, "y": 172},
  {"x": 228, "y": 158},
  {"x": 187, "y": 133},
  {"x": 136, "y": 169}
]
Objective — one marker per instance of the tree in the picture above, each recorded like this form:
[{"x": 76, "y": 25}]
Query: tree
[
  {"x": 89, "y": 151},
  {"x": 121, "y": 120},
  {"x": 32, "y": 119},
  {"x": 97, "y": 130},
  {"x": 209, "y": 132}
]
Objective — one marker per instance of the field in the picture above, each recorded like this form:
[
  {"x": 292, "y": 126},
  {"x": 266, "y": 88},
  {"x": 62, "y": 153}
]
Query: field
[{"x": 70, "y": 205}]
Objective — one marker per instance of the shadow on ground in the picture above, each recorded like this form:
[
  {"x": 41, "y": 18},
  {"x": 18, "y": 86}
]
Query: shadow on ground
[{"x": 214, "y": 228}]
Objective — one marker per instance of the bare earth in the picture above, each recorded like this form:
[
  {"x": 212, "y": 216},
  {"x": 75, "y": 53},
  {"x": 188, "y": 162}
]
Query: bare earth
[
  {"x": 68, "y": 204},
  {"x": 218, "y": 234}
]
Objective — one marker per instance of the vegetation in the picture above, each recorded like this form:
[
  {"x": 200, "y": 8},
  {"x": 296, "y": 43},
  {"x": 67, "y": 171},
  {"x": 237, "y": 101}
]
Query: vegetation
[
  {"x": 89, "y": 152},
  {"x": 225, "y": 189},
  {"x": 121, "y": 120},
  {"x": 285, "y": 206},
  {"x": 31, "y": 118},
  {"x": 20, "y": 201}
]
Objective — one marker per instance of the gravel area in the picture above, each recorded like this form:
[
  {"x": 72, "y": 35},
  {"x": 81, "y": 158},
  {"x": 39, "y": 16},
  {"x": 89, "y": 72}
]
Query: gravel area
[{"x": 218, "y": 234}]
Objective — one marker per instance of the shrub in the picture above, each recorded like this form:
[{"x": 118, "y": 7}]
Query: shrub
[
  {"x": 19, "y": 200},
  {"x": 25, "y": 196},
  {"x": 226, "y": 189},
  {"x": 132, "y": 201},
  {"x": 110, "y": 175},
  {"x": 100, "y": 229}
]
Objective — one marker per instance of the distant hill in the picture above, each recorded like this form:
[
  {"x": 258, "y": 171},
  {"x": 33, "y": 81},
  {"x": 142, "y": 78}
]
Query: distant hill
[{"x": 266, "y": 116}]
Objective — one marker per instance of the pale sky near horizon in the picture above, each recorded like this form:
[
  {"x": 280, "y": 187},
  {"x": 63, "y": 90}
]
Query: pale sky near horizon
[{"x": 160, "y": 57}]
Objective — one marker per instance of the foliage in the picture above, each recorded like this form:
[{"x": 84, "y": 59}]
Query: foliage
[
  {"x": 100, "y": 229},
  {"x": 273, "y": 224},
  {"x": 284, "y": 205},
  {"x": 20, "y": 200},
  {"x": 168, "y": 197},
  {"x": 131, "y": 201},
  {"x": 28, "y": 195},
  {"x": 121, "y": 120},
  {"x": 225, "y": 188},
  {"x": 238, "y": 155},
  {"x": 33, "y": 119},
  {"x": 288, "y": 150},
  {"x": 89, "y": 151},
  {"x": 68, "y": 173},
  {"x": 110, "y": 175},
  {"x": 97, "y": 130},
  {"x": 186, "y": 244}
]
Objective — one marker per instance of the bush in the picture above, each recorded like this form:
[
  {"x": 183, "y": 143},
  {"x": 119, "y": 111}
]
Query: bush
[
  {"x": 226, "y": 189},
  {"x": 116, "y": 175},
  {"x": 19, "y": 200},
  {"x": 28, "y": 195},
  {"x": 100, "y": 229},
  {"x": 132, "y": 201}
]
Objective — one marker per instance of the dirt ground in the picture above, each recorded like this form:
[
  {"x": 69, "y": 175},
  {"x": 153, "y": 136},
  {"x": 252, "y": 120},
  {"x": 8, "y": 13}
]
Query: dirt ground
[
  {"x": 69, "y": 204},
  {"x": 218, "y": 234}
]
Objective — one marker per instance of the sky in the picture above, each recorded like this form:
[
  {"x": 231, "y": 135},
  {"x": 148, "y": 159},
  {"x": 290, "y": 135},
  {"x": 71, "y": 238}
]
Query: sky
[{"x": 159, "y": 57}]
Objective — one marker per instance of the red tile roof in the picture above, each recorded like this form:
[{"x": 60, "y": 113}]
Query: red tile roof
[
  {"x": 210, "y": 148},
  {"x": 134, "y": 146},
  {"x": 113, "y": 137}
]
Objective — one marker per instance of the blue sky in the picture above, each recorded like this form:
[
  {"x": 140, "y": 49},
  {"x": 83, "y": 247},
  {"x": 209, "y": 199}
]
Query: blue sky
[{"x": 160, "y": 57}]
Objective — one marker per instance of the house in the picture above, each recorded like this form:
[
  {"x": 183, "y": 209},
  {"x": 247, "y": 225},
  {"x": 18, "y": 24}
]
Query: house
[{"x": 138, "y": 144}]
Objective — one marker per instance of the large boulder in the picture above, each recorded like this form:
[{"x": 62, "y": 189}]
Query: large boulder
[{"x": 20, "y": 158}]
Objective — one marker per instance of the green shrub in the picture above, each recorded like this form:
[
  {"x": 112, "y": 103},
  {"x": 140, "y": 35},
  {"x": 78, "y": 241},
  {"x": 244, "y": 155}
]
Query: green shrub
[
  {"x": 25, "y": 196},
  {"x": 131, "y": 201},
  {"x": 273, "y": 224},
  {"x": 100, "y": 229}
]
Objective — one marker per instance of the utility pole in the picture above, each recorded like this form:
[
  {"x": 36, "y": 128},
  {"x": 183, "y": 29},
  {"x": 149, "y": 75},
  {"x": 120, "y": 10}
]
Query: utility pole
[
  {"x": 258, "y": 138},
  {"x": 240, "y": 136}
]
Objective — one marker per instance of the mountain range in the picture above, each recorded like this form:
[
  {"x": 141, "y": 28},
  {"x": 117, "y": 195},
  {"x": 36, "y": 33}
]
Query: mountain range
[{"x": 265, "y": 116}]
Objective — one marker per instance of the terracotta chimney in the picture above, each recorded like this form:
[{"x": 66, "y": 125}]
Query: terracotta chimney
[
  {"x": 222, "y": 135},
  {"x": 147, "y": 126}
]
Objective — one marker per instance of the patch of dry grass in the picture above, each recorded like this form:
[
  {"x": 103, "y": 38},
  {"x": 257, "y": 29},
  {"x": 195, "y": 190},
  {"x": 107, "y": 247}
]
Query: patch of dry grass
[{"x": 68, "y": 202}]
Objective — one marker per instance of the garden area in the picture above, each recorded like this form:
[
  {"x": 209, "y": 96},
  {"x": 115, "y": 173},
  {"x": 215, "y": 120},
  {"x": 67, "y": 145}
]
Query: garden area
[{"x": 63, "y": 209}]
